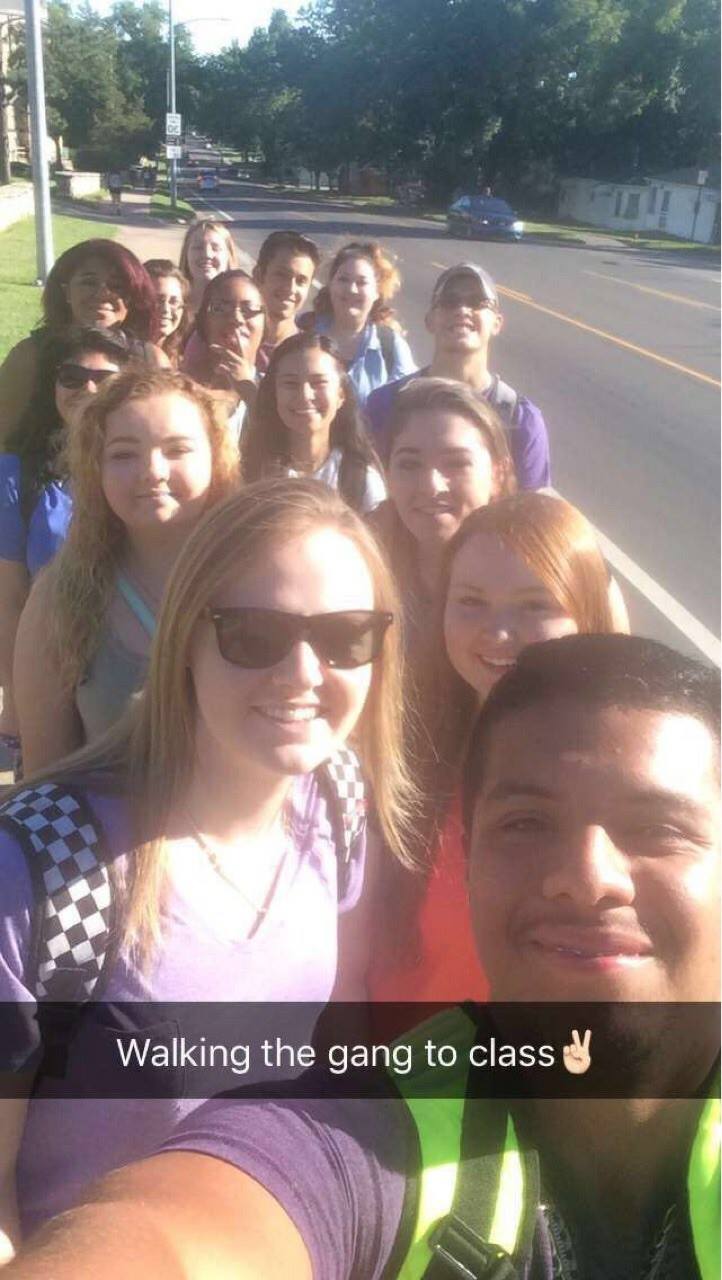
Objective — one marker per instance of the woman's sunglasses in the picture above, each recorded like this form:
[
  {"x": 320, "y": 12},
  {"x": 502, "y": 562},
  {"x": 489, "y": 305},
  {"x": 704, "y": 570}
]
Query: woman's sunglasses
[
  {"x": 261, "y": 638},
  {"x": 74, "y": 376}
]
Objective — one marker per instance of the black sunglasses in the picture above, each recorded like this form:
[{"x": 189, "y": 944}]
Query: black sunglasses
[
  {"x": 260, "y": 638},
  {"x": 75, "y": 376},
  {"x": 449, "y": 301}
]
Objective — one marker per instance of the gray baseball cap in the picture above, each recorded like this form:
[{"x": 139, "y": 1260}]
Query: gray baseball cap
[{"x": 488, "y": 288}]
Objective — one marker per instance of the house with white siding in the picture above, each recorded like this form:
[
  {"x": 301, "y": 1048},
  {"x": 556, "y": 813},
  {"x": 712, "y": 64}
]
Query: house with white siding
[{"x": 683, "y": 203}]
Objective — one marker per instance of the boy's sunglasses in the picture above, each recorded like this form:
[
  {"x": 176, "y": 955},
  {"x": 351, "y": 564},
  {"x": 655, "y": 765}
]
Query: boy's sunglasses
[
  {"x": 74, "y": 376},
  {"x": 260, "y": 638}
]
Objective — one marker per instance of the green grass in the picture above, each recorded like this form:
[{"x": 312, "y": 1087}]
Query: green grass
[
  {"x": 160, "y": 207},
  {"x": 636, "y": 240},
  {"x": 556, "y": 231},
  {"x": 20, "y": 311}
]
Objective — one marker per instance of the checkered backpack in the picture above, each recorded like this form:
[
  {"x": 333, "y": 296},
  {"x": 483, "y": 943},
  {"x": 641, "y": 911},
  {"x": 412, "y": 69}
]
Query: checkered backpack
[{"x": 74, "y": 931}]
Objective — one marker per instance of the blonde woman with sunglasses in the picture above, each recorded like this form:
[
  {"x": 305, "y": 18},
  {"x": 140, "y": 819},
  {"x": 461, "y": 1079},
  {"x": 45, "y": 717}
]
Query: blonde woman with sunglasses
[{"x": 277, "y": 644}]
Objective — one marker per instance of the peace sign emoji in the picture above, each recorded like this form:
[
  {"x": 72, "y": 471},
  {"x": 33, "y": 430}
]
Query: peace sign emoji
[{"x": 577, "y": 1059}]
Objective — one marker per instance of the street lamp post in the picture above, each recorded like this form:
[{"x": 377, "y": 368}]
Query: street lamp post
[
  {"x": 172, "y": 106},
  {"x": 39, "y": 137},
  {"x": 171, "y": 85}
]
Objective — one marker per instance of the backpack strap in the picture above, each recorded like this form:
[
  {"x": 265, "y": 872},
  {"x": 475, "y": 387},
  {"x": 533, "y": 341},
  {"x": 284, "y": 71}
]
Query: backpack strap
[
  {"x": 342, "y": 782},
  {"x": 388, "y": 346},
  {"x": 503, "y": 398},
  {"x": 495, "y": 1197},
  {"x": 74, "y": 921}
]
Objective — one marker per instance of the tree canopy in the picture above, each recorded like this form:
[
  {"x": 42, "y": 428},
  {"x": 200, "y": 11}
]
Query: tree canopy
[{"x": 509, "y": 92}]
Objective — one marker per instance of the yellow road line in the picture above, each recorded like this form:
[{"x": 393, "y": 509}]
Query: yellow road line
[
  {"x": 660, "y": 293},
  {"x": 619, "y": 342},
  {"x": 514, "y": 293}
]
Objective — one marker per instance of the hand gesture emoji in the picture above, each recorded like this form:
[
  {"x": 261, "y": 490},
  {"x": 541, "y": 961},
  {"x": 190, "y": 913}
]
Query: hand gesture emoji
[{"x": 576, "y": 1055}]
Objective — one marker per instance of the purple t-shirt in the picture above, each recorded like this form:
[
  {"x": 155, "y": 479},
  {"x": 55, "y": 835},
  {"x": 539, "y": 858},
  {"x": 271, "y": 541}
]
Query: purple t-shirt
[
  {"x": 337, "y": 1166},
  {"x": 525, "y": 428},
  {"x": 292, "y": 957}
]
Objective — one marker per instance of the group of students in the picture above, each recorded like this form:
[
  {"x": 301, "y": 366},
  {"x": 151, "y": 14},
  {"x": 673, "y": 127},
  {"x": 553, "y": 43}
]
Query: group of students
[{"x": 267, "y": 597}]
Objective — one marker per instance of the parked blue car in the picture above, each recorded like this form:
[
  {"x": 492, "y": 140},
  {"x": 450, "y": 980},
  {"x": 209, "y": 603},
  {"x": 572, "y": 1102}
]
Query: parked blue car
[{"x": 471, "y": 216}]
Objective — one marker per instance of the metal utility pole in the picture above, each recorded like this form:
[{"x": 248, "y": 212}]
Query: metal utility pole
[
  {"x": 39, "y": 137},
  {"x": 173, "y": 163}
]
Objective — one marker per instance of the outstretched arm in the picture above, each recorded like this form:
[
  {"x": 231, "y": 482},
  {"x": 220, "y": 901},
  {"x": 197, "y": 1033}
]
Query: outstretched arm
[{"x": 176, "y": 1216}]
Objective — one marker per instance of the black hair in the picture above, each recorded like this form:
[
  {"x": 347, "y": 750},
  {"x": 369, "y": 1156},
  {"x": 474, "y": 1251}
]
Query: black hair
[
  {"x": 280, "y": 241},
  {"x": 266, "y": 443},
  {"x": 596, "y": 671},
  {"x": 37, "y": 437},
  {"x": 235, "y": 273}
]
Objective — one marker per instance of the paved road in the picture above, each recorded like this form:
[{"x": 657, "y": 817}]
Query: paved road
[{"x": 621, "y": 351}]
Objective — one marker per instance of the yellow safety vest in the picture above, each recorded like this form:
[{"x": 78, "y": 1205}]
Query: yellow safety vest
[{"x": 439, "y": 1121}]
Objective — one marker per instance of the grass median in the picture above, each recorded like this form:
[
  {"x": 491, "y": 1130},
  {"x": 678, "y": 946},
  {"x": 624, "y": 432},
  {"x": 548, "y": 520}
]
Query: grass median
[
  {"x": 21, "y": 309},
  {"x": 161, "y": 207}
]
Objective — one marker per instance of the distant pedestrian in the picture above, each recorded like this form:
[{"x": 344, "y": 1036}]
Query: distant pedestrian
[{"x": 115, "y": 187}]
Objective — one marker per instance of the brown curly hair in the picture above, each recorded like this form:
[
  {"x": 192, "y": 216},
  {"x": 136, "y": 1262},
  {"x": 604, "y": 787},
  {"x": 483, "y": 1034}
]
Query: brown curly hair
[{"x": 388, "y": 281}]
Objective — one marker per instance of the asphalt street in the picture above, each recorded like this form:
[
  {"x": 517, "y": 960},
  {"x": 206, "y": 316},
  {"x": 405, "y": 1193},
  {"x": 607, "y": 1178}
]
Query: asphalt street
[{"x": 620, "y": 349}]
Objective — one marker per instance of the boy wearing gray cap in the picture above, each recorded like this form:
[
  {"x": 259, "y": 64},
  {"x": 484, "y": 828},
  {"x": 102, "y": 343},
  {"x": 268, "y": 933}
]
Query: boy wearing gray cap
[{"x": 463, "y": 318}]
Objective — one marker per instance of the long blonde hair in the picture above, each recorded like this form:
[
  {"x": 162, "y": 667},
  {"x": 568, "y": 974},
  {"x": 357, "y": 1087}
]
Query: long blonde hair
[
  {"x": 84, "y": 571},
  {"x": 200, "y": 227},
  {"x": 151, "y": 751}
]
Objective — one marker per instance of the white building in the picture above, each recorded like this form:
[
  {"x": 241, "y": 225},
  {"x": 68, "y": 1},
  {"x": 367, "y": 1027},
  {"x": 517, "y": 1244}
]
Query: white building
[{"x": 673, "y": 202}]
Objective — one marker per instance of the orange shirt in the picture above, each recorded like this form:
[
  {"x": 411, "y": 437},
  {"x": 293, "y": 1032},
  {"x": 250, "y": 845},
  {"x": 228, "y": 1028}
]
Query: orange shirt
[{"x": 447, "y": 970}]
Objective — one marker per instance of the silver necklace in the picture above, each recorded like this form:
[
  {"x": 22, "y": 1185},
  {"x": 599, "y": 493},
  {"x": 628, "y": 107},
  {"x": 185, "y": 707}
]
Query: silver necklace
[{"x": 261, "y": 910}]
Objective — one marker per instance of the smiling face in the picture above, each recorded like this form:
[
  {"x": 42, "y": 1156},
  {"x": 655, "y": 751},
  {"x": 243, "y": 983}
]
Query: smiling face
[
  {"x": 353, "y": 291},
  {"x": 285, "y": 284},
  {"x": 288, "y": 718},
  {"x": 594, "y": 871},
  {"x": 157, "y": 463},
  {"x": 495, "y": 606},
  {"x": 440, "y": 470},
  {"x": 462, "y": 321},
  {"x": 208, "y": 255},
  {"x": 309, "y": 394},
  {"x": 235, "y": 317},
  {"x": 170, "y": 304},
  {"x": 70, "y": 401},
  {"x": 96, "y": 294}
]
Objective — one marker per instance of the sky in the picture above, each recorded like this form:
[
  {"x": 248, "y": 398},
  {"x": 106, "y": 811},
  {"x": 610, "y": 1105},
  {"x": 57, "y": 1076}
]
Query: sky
[{"x": 241, "y": 18}]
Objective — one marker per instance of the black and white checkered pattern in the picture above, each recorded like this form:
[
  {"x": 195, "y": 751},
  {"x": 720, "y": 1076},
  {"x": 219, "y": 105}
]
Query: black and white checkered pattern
[
  {"x": 348, "y": 793},
  {"x": 74, "y": 924}
]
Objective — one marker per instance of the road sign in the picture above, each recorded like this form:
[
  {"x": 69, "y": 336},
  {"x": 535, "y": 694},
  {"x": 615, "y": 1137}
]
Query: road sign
[
  {"x": 173, "y": 152},
  {"x": 702, "y": 177},
  {"x": 173, "y": 124}
]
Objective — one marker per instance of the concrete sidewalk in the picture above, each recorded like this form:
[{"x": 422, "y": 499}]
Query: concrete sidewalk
[{"x": 145, "y": 235}]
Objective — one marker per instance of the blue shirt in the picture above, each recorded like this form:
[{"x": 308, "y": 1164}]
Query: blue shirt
[
  {"x": 32, "y": 541},
  {"x": 368, "y": 369}
]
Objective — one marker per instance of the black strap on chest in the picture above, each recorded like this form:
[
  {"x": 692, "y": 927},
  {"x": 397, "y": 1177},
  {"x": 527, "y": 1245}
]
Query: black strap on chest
[{"x": 460, "y": 1241}]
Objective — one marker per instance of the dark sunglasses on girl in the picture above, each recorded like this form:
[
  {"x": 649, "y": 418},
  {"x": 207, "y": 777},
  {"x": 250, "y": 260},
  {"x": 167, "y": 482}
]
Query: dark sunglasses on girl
[
  {"x": 261, "y": 638},
  {"x": 74, "y": 376}
]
